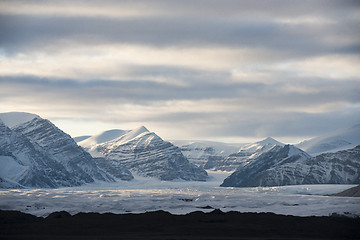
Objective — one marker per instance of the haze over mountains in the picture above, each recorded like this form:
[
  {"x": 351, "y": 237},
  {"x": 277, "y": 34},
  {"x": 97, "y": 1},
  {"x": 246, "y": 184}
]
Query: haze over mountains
[{"x": 35, "y": 153}]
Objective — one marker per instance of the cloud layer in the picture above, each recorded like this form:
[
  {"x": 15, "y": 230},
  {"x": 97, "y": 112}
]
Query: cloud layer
[{"x": 187, "y": 69}]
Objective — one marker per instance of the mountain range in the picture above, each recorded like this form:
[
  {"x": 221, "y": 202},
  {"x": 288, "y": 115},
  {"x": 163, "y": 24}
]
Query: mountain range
[{"x": 35, "y": 153}]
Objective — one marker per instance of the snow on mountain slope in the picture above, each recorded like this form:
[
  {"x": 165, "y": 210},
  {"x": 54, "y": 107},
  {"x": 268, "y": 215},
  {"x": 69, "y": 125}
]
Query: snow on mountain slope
[
  {"x": 81, "y": 138},
  {"x": 11, "y": 119},
  {"x": 25, "y": 163},
  {"x": 146, "y": 154},
  {"x": 341, "y": 167},
  {"x": 247, "y": 175},
  {"x": 64, "y": 150},
  {"x": 243, "y": 156},
  {"x": 200, "y": 151},
  {"x": 338, "y": 140},
  {"x": 103, "y": 137}
]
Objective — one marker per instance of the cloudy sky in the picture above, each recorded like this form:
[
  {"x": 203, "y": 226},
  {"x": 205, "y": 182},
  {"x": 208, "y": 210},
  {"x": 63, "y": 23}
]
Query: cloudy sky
[{"x": 201, "y": 69}]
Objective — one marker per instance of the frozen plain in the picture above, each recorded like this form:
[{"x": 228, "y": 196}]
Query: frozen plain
[{"x": 180, "y": 197}]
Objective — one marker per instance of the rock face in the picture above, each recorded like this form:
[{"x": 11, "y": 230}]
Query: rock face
[
  {"x": 250, "y": 175},
  {"x": 36, "y": 153},
  {"x": 144, "y": 153}
]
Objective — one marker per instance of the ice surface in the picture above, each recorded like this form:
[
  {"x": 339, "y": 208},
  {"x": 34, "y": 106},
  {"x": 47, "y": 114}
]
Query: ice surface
[{"x": 180, "y": 197}]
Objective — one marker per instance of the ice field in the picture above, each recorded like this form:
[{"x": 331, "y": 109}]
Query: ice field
[{"x": 180, "y": 197}]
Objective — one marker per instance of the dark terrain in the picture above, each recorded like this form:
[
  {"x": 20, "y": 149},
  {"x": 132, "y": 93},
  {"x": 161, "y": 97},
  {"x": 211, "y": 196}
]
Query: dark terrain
[
  {"x": 351, "y": 192},
  {"x": 163, "y": 225}
]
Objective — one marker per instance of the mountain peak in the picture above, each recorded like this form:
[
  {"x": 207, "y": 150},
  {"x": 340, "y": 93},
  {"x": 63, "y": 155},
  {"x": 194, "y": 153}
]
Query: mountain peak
[
  {"x": 140, "y": 129},
  {"x": 270, "y": 140},
  {"x": 12, "y": 119},
  {"x": 136, "y": 132}
]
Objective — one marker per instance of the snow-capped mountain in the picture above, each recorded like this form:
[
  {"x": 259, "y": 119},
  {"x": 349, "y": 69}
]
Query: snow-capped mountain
[
  {"x": 342, "y": 167},
  {"x": 248, "y": 175},
  {"x": 199, "y": 152},
  {"x": 144, "y": 153},
  {"x": 63, "y": 148},
  {"x": 243, "y": 156},
  {"x": 35, "y": 153},
  {"x": 338, "y": 140},
  {"x": 25, "y": 163}
]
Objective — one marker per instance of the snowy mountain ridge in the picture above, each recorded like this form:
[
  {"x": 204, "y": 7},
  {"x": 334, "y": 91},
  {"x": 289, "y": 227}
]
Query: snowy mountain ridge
[
  {"x": 243, "y": 156},
  {"x": 341, "y": 139},
  {"x": 198, "y": 152}
]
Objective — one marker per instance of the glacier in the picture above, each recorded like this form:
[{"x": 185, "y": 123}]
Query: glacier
[{"x": 145, "y": 194}]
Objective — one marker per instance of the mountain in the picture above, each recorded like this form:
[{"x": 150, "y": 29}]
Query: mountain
[
  {"x": 243, "y": 156},
  {"x": 25, "y": 163},
  {"x": 199, "y": 152},
  {"x": 249, "y": 175},
  {"x": 144, "y": 153},
  {"x": 342, "y": 167},
  {"x": 35, "y": 153},
  {"x": 335, "y": 141}
]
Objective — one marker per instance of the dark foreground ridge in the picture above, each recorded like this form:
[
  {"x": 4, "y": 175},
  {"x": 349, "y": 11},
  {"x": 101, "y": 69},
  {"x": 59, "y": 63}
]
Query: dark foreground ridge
[{"x": 163, "y": 225}]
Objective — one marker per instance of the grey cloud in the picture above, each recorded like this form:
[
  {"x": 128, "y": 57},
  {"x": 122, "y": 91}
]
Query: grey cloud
[
  {"x": 30, "y": 32},
  {"x": 262, "y": 124},
  {"x": 278, "y": 105},
  {"x": 129, "y": 91},
  {"x": 252, "y": 95},
  {"x": 256, "y": 110}
]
